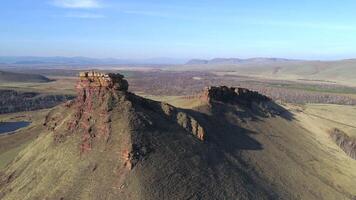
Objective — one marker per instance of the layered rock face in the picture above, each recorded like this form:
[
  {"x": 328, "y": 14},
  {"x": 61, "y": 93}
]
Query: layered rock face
[
  {"x": 97, "y": 79},
  {"x": 257, "y": 103},
  {"x": 97, "y": 94},
  {"x": 231, "y": 94}
]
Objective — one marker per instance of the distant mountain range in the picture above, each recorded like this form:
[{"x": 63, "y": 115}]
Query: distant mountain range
[
  {"x": 84, "y": 61},
  {"x": 30, "y": 60},
  {"x": 236, "y": 61}
]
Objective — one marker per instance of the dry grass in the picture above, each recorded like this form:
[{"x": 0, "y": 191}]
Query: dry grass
[
  {"x": 299, "y": 155},
  {"x": 10, "y": 145},
  {"x": 328, "y": 116}
]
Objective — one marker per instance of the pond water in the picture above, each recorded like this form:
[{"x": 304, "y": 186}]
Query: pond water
[{"x": 7, "y": 127}]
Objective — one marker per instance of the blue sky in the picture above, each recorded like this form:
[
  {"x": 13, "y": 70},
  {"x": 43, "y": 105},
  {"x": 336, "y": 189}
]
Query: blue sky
[{"x": 309, "y": 29}]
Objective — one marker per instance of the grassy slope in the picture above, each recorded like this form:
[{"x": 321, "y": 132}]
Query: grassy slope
[
  {"x": 333, "y": 116},
  {"x": 7, "y": 156},
  {"x": 178, "y": 101},
  {"x": 338, "y": 71},
  {"x": 297, "y": 159},
  {"x": 299, "y": 156},
  {"x": 177, "y": 169},
  {"x": 10, "y": 145}
]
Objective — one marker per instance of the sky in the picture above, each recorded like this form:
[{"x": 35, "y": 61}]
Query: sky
[{"x": 138, "y": 29}]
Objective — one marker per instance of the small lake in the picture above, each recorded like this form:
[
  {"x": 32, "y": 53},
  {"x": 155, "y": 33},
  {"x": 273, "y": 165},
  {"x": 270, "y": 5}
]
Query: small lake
[{"x": 7, "y": 127}]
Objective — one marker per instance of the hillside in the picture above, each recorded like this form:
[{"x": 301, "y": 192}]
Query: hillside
[
  {"x": 109, "y": 143},
  {"x": 341, "y": 71},
  {"x": 9, "y": 77}
]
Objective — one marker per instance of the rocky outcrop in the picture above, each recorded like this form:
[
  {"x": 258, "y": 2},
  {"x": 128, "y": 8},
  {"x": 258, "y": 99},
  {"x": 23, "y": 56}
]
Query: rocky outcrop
[
  {"x": 259, "y": 104},
  {"x": 90, "y": 115},
  {"x": 96, "y": 96},
  {"x": 96, "y": 79},
  {"x": 232, "y": 95},
  {"x": 345, "y": 142},
  {"x": 186, "y": 121},
  {"x": 92, "y": 108},
  {"x": 176, "y": 115}
]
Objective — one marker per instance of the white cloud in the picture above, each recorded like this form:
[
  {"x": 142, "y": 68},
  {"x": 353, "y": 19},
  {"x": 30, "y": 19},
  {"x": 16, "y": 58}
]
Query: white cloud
[{"x": 77, "y": 3}]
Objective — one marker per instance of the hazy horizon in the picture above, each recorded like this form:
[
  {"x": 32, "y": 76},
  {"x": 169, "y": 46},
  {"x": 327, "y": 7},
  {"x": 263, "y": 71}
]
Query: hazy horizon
[{"x": 149, "y": 60}]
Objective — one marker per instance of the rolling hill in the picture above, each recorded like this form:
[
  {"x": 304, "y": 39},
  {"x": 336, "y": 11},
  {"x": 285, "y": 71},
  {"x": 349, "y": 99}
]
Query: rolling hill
[
  {"x": 341, "y": 71},
  {"x": 109, "y": 143}
]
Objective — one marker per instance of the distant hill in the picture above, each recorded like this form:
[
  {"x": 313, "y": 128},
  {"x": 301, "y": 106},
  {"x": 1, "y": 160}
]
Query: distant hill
[
  {"x": 20, "y": 77},
  {"x": 58, "y": 60},
  {"x": 235, "y": 61},
  {"x": 339, "y": 71}
]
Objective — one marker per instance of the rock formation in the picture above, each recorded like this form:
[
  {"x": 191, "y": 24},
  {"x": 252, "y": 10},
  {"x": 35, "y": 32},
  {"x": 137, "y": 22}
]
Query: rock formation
[
  {"x": 97, "y": 79},
  {"x": 93, "y": 105},
  {"x": 242, "y": 97},
  {"x": 98, "y": 95},
  {"x": 232, "y": 95},
  {"x": 186, "y": 121},
  {"x": 345, "y": 142}
]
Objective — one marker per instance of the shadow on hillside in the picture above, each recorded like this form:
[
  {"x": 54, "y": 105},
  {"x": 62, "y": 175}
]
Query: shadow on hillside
[
  {"x": 226, "y": 133},
  {"x": 252, "y": 110},
  {"x": 223, "y": 123},
  {"x": 182, "y": 164}
]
